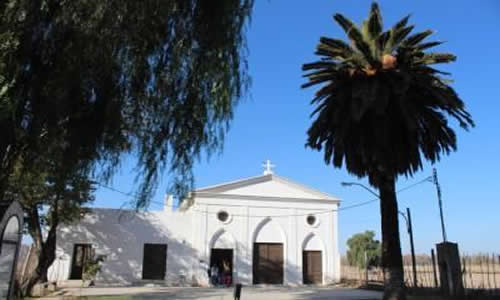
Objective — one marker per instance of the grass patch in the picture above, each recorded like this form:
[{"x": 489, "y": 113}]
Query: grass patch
[{"x": 102, "y": 298}]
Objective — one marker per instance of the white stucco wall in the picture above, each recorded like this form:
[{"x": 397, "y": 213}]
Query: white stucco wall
[
  {"x": 121, "y": 237},
  {"x": 274, "y": 221},
  {"x": 9, "y": 242},
  {"x": 191, "y": 235},
  {"x": 6, "y": 261}
]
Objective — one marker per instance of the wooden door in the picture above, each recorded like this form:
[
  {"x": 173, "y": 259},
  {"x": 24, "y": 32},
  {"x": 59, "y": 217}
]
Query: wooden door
[
  {"x": 268, "y": 263},
  {"x": 312, "y": 267},
  {"x": 81, "y": 254},
  {"x": 154, "y": 264}
]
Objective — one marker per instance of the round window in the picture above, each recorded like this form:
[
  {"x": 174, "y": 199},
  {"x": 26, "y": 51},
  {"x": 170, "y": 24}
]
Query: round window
[
  {"x": 223, "y": 216},
  {"x": 311, "y": 220}
]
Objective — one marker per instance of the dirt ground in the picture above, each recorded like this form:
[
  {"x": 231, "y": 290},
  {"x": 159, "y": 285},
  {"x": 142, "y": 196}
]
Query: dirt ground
[{"x": 261, "y": 293}]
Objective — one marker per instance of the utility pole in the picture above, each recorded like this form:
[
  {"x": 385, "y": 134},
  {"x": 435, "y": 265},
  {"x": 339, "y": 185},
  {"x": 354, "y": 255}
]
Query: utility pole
[
  {"x": 438, "y": 189},
  {"x": 413, "y": 260}
]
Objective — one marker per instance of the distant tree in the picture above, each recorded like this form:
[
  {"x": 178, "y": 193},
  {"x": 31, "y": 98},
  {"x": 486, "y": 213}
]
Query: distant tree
[
  {"x": 156, "y": 79},
  {"x": 361, "y": 244},
  {"x": 381, "y": 110}
]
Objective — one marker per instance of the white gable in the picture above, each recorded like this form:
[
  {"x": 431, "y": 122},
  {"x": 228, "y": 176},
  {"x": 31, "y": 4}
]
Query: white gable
[
  {"x": 272, "y": 189},
  {"x": 266, "y": 186}
]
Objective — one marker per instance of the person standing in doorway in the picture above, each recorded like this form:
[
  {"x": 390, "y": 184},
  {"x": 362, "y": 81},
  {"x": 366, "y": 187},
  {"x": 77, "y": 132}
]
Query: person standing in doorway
[
  {"x": 226, "y": 273},
  {"x": 214, "y": 275}
]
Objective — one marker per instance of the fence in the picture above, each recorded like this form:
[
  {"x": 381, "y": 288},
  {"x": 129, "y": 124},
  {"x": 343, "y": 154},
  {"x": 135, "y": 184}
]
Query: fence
[{"x": 479, "y": 273}]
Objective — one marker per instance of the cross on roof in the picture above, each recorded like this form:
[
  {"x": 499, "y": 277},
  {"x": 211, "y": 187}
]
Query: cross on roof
[{"x": 268, "y": 167}]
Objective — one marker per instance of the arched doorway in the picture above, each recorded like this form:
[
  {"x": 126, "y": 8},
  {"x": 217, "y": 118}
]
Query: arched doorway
[
  {"x": 268, "y": 253},
  {"x": 222, "y": 254},
  {"x": 11, "y": 222},
  {"x": 313, "y": 260}
]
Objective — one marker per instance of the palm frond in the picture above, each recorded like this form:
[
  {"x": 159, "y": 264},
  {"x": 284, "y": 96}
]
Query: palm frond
[
  {"x": 382, "y": 41},
  {"x": 316, "y": 80},
  {"x": 428, "y": 45},
  {"x": 416, "y": 38},
  {"x": 345, "y": 23},
  {"x": 435, "y": 58},
  {"x": 335, "y": 47},
  {"x": 318, "y": 65},
  {"x": 356, "y": 37},
  {"x": 397, "y": 32},
  {"x": 399, "y": 35},
  {"x": 402, "y": 23},
  {"x": 427, "y": 69},
  {"x": 375, "y": 24}
]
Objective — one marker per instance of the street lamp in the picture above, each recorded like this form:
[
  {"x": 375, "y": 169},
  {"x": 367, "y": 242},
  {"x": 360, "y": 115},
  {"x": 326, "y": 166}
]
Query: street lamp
[
  {"x": 408, "y": 225},
  {"x": 376, "y": 195},
  {"x": 407, "y": 218},
  {"x": 361, "y": 185}
]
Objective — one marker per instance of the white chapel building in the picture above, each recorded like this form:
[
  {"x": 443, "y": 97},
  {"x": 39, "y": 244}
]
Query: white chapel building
[{"x": 260, "y": 230}]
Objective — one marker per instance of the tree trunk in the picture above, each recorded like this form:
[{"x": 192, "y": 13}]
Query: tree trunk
[
  {"x": 392, "y": 261},
  {"x": 46, "y": 250}
]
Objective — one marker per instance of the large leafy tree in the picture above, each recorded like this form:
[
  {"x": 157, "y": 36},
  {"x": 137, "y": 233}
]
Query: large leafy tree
[
  {"x": 85, "y": 82},
  {"x": 364, "y": 250},
  {"x": 53, "y": 191},
  {"x": 381, "y": 109},
  {"x": 158, "y": 79}
]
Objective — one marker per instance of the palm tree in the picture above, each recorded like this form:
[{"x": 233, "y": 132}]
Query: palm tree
[{"x": 381, "y": 108}]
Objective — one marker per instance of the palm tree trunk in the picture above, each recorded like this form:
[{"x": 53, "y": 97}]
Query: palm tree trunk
[{"x": 392, "y": 261}]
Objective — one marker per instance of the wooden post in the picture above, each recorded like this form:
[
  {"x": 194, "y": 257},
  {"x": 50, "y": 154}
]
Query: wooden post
[
  {"x": 470, "y": 273},
  {"x": 483, "y": 285},
  {"x": 494, "y": 270},
  {"x": 428, "y": 273},
  {"x": 366, "y": 269},
  {"x": 413, "y": 260},
  {"x": 464, "y": 273},
  {"x": 434, "y": 268},
  {"x": 487, "y": 259},
  {"x": 427, "y": 267}
]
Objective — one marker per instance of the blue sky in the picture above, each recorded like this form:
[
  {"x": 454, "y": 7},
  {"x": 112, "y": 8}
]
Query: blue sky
[{"x": 271, "y": 123}]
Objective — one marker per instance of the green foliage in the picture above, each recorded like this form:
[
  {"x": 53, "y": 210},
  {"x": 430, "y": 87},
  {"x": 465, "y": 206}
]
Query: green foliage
[
  {"x": 361, "y": 243},
  {"x": 92, "y": 267},
  {"x": 157, "y": 79},
  {"x": 53, "y": 190},
  {"x": 49, "y": 184},
  {"x": 381, "y": 108}
]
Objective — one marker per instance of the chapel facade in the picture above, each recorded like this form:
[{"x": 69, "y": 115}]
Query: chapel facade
[{"x": 259, "y": 230}]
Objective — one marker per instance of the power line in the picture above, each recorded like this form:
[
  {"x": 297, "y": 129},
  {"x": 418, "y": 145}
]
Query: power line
[
  {"x": 273, "y": 216},
  {"x": 427, "y": 179}
]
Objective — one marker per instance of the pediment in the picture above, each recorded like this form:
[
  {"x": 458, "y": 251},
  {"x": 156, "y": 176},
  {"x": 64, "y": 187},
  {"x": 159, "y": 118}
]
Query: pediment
[{"x": 266, "y": 186}]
